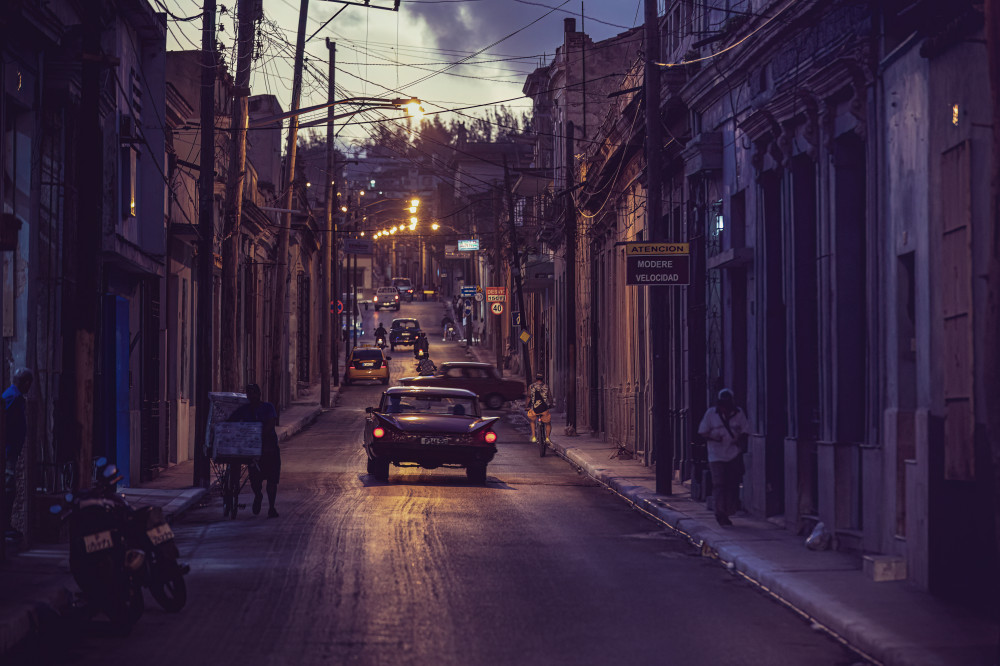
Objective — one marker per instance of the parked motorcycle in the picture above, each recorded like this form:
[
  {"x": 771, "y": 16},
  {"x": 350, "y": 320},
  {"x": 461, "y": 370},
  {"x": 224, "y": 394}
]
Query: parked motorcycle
[
  {"x": 103, "y": 563},
  {"x": 116, "y": 549}
]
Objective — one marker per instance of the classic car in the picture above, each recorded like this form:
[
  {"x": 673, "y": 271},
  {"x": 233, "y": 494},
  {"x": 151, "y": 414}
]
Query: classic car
[
  {"x": 367, "y": 362},
  {"x": 403, "y": 332},
  {"x": 482, "y": 379},
  {"x": 429, "y": 427}
]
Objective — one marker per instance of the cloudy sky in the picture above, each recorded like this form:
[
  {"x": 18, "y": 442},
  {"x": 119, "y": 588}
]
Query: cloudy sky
[{"x": 449, "y": 53}]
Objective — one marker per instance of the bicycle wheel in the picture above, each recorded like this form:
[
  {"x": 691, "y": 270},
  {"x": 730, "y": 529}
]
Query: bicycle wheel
[{"x": 540, "y": 433}]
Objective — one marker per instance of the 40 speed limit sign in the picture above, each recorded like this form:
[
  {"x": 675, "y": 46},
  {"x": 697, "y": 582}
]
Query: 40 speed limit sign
[{"x": 496, "y": 308}]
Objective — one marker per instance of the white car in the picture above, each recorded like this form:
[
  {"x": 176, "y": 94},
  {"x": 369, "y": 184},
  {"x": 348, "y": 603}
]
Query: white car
[{"x": 386, "y": 297}]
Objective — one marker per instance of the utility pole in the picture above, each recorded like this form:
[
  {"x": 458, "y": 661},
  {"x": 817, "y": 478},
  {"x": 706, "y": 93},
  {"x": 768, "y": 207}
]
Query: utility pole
[
  {"x": 992, "y": 28},
  {"x": 659, "y": 320},
  {"x": 234, "y": 199},
  {"x": 516, "y": 255},
  {"x": 328, "y": 342},
  {"x": 206, "y": 244},
  {"x": 279, "y": 345},
  {"x": 570, "y": 221}
]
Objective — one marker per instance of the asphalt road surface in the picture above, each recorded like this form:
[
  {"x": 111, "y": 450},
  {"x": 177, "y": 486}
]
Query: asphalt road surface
[{"x": 540, "y": 566}]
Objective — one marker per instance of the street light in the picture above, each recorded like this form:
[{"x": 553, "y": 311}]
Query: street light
[{"x": 412, "y": 107}]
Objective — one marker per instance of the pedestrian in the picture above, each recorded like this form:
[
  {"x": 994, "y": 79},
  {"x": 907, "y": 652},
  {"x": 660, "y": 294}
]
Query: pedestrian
[
  {"x": 539, "y": 406},
  {"x": 268, "y": 468},
  {"x": 15, "y": 433},
  {"x": 725, "y": 428}
]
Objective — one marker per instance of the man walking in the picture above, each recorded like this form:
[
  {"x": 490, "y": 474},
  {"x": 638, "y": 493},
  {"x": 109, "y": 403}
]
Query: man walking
[
  {"x": 269, "y": 467},
  {"x": 15, "y": 434},
  {"x": 725, "y": 428}
]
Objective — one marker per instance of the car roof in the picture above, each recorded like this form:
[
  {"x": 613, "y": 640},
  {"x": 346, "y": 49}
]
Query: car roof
[
  {"x": 432, "y": 390},
  {"x": 468, "y": 364},
  {"x": 400, "y": 279},
  {"x": 387, "y": 289},
  {"x": 404, "y": 319}
]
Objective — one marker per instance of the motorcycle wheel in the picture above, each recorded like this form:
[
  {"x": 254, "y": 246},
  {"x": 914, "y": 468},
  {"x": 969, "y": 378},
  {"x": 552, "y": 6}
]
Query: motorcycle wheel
[{"x": 171, "y": 593}]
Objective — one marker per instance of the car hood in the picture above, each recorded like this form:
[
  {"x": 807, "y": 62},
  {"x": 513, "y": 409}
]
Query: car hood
[{"x": 456, "y": 425}]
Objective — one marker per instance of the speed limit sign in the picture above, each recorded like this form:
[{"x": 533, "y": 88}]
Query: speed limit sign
[{"x": 496, "y": 308}]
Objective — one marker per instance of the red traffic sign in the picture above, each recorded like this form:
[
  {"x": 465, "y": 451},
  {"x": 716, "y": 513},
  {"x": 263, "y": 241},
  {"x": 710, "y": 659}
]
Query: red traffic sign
[
  {"x": 336, "y": 307},
  {"x": 496, "y": 308}
]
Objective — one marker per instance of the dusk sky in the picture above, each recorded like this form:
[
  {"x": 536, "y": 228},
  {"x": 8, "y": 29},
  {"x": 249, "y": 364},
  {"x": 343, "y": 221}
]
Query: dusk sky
[{"x": 411, "y": 52}]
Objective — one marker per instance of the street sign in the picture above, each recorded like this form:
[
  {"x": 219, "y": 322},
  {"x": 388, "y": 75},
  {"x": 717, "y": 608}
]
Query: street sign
[
  {"x": 479, "y": 297},
  {"x": 468, "y": 245},
  {"x": 496, "y": 308},
  {"x": 469, "y": 292},
  {"x": 336, "y": 307},
  {"x": 357, "y": 246},
  {"x": 525, "y": 336},
  {"x": 496, "y": 295},
  {"x": 654, "y": 264},
  {"x": 515, "y": 319}
]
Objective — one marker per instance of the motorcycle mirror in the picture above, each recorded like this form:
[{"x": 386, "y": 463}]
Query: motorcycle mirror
[
  {"x": 68, "y": 497},
  {"x": 369, "y": 410},
  {"x": 101, "y": 462},
  {"x": 55, "y": 509},
  {"x": 110, "y": 471}
]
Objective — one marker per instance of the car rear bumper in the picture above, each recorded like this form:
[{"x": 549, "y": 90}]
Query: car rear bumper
[
  {"x": 365, "y": 373},
  {"x": 432, "y": 455}
]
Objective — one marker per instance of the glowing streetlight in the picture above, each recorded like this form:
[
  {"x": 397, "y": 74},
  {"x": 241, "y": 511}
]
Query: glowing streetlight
[
  {"x": 414, "y": 109},
  {"x": 413, "y": 220},
  {"x": 435, "y": 226},
  {"x": 413, "y": 226},
  {"x": 393, "y": 230},
  {"x": 343, "y": 209},
  {"x": 413, "y": 209},
  {"x": 415, "y": 202}
]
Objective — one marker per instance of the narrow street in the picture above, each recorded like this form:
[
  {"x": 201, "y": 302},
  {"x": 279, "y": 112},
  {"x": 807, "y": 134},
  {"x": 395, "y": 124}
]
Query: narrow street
[{"x": 540, "y": 566}]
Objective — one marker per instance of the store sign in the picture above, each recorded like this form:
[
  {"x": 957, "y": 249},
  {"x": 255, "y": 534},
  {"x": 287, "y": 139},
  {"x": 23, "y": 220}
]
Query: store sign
[
  {"x": 496, "y": 295},
  {"x": 657, "y": 264},
  {"x": 468, "y": 245},
  {"x": 357, "y": 246}
]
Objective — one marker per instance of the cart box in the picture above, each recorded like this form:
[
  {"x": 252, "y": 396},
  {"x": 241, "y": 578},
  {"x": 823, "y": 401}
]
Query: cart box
[{"x": 237, "y": 439}]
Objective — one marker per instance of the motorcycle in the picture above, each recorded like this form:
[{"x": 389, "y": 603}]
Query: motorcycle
[
  {"x": 151, "y": 555},
  {"x": 380, "y": 342},
  {"x": 103, "y": 563},
  {"x": 449, "y": 332}
]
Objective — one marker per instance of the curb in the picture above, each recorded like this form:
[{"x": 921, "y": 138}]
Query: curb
[
  {"x": 880, "y": 649},
  {"x": 34, "y": 616}
]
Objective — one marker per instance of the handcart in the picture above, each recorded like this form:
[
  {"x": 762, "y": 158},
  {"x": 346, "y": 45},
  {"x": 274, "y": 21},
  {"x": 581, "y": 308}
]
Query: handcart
[{"x": 232, "y": 447}]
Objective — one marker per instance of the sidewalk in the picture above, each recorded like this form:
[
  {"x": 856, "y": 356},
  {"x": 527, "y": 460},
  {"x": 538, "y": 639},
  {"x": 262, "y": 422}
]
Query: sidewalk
[
  {"x": 892, "y": 623},
  {"x": 36, "y": 586}
]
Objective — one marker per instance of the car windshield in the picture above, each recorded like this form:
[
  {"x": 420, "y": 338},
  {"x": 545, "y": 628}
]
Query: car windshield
[
  {"x": 367, "y": 355},
  {"x": 406, "y": 325},
  {"x": 424, "y": 403}
]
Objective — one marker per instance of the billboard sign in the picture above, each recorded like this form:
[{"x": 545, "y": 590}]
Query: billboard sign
[
  {"x": 656, "y": 264},
  {"x": 468, "y": 245}
]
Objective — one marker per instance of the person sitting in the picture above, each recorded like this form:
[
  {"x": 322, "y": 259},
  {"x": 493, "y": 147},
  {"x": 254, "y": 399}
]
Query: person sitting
[{"x": 459, "y": 410}]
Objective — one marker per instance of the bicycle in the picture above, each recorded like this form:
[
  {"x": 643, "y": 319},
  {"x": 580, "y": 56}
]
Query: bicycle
[{"x": 541, "y": 435}]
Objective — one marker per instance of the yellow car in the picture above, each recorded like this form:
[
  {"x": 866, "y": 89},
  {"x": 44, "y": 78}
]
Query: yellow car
[{"x": 367, "y": 362}]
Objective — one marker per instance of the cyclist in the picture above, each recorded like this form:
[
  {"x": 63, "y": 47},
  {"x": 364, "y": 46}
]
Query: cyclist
[{"x": 538, "y": 406}]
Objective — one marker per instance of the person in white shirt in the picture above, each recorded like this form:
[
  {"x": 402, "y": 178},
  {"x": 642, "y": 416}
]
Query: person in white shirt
[{"x": 725, "y": 429}]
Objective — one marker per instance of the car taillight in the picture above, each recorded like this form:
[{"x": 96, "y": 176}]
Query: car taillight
[
  {"x": 397, "y": 297},
  {"x": 376, "y": 299},
  {"x": 490, "y": 437},
  {"x": 378, "y": 433}
]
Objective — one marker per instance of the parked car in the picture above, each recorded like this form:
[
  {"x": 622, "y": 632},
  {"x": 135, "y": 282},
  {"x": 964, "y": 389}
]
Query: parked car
[
  {"x": 386, "y": 297},
  {"x": 367, "y": 362},
  {"x": 403, "y": 332},
  {"x": 404, "y": 287},
  {"x": 429, "y": 427},
  {"x": 482, "y": 379}
]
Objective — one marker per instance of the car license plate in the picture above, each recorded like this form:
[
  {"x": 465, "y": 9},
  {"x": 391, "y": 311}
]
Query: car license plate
[
  {"x": 434, "y": 441},
  {"x": 368, "y": 364},
  {"x": 94, "y": 543},
  {"x": 160, "y": 534}
]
